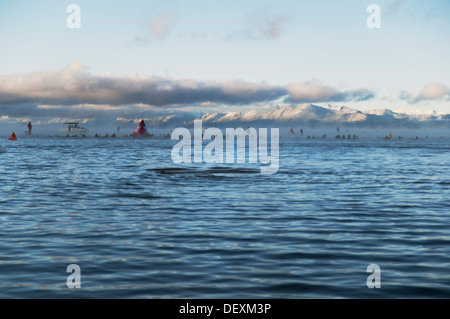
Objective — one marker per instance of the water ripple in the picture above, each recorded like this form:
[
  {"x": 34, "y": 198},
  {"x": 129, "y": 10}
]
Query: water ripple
[{"x": 140, "y": 226}]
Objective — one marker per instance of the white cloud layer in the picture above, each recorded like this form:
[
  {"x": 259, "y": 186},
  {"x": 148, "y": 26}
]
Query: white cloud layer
[
  {"x": 431, "y": 92},
  {"x": 74, "y": 89},
  {"x": 310, "y": 92}
]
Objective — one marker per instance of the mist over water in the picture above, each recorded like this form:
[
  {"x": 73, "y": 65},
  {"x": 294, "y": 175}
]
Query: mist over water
[
  {"x": 316, "y": 130},
  {"x": 140, "y": 226}
]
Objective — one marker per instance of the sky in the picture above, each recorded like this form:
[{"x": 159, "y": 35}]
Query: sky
[{"x": 220, "y": 55}]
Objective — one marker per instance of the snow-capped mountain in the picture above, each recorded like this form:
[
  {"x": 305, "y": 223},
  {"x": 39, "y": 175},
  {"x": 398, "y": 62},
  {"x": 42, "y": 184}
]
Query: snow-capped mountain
[
  {"x": 422, "y": 115},
  {"x": 288, "y": 114},
  {"x": 302, "y": 113}
]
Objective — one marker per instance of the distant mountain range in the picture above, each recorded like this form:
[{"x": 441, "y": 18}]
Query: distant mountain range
[
  {"x": 288, "y": 116},
  {"x": 300, "y": 114}
]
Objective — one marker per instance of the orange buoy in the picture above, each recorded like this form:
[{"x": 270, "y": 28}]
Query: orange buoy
[{"x": 13, "y": 137}]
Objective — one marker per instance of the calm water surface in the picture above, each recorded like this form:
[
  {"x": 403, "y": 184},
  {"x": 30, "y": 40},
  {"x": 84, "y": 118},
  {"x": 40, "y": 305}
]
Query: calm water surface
[{"x": 140, "y": 226}]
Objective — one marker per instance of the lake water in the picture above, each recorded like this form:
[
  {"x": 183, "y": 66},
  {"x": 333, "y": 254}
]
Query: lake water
[{"x": 140, "y": 226}]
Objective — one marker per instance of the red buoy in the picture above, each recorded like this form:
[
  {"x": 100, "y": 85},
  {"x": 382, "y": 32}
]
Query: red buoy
[
  {"x": 13, "y": 137},
  {"x": 141, "y": 130}
]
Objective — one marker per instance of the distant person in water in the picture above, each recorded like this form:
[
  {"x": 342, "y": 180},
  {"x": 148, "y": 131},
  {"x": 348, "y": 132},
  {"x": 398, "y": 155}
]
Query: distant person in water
[
  {"x": 29, "y": 127},
  {"x": 301, "y": 131}
]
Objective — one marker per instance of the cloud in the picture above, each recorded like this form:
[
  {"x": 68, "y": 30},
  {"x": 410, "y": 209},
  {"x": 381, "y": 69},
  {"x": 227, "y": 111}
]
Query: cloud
[
  {"x": 307, "y": 92},
  {"x": 273, "y": 28},
  {"x": 431, "y": 92},
  {"x": 156, "y": 28},
  {"x": 74, "y": 85},
  {"x": 161, "y": 25},
  {"x": 74, "y": 91},
  {"x": 393, "y": 8},
  {"x": 261, "y": 25},
  {"x": 405, "y": 95}
]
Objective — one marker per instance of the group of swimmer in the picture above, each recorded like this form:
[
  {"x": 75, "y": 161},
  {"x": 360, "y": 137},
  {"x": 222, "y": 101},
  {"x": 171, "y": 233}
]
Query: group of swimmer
[
  {"x": 324, "y": 136},
  {"x": 114, "y": 135},
  {"x": 168, "y": 136},
  {"x": 389, "y": 137},
  {"x": 344, "y": 136}
]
